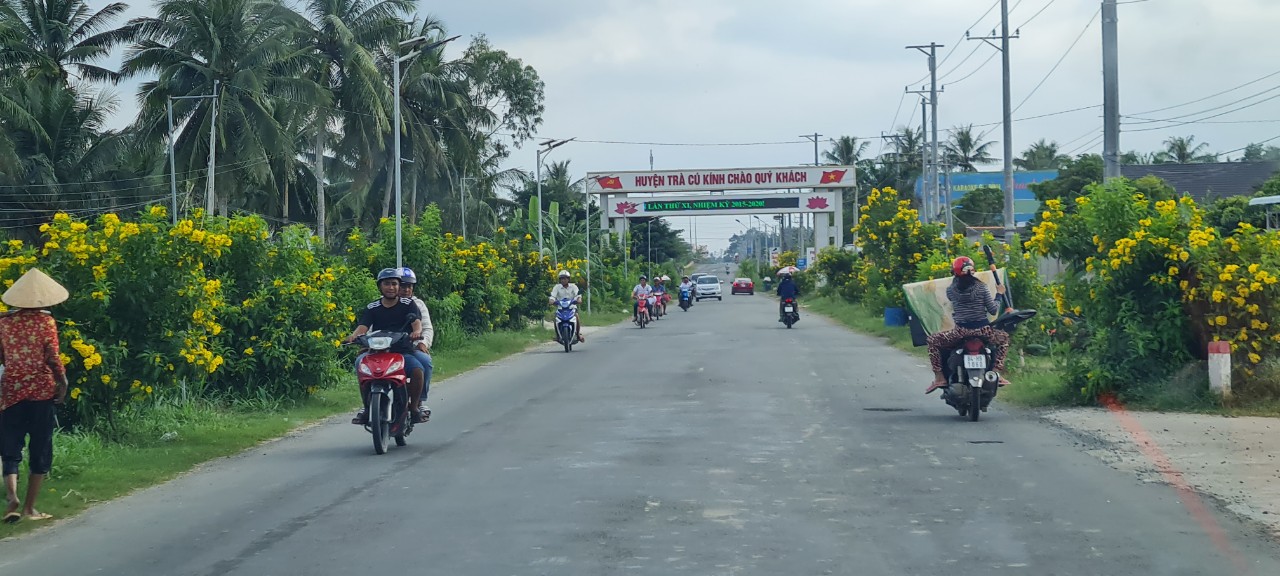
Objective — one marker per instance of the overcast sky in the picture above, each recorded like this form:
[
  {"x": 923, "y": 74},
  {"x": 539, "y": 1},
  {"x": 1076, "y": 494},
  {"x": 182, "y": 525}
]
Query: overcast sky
[{"x": 737, "y": 71}]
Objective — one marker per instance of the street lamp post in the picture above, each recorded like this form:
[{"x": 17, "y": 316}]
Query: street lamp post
[
  {"x": 549, "y": 145},
  {"x": 586, "y": 199},
  {"x": 416, "y": 47}
]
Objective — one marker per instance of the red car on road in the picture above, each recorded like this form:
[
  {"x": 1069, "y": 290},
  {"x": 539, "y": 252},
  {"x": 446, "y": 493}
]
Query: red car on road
[{"x": 743, "y": 286}]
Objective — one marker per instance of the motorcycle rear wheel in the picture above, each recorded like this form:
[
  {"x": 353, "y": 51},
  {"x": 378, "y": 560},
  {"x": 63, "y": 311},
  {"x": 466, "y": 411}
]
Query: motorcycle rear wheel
[{"x": 975, "y": 403}]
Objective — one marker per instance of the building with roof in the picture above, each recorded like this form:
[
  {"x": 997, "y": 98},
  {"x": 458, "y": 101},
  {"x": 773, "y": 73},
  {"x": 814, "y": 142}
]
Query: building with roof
[{"x": 1209, "y": 181}]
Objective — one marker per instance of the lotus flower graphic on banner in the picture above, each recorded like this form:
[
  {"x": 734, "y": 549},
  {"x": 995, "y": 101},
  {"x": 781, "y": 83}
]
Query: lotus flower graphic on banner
[
  {"x": 609, "y": 182},
  {"x": 817, "y": 203},
  {"x": 832, "y": 176},
  {"x": 624, "y": 208}
]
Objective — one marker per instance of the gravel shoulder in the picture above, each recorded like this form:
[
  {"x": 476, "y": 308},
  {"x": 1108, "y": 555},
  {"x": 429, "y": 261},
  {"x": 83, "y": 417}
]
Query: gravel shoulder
[{"x": 1235, "y": 461}]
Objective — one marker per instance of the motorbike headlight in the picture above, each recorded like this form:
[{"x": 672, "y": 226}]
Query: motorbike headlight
[
  {"x": 380, "y": 343},
  {"x": 364, "y": 369},
  {"x": 398, "y": 364}
]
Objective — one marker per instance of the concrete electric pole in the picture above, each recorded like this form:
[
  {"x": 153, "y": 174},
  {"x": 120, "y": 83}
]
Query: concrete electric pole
[{"x": 1110, "y": 92}]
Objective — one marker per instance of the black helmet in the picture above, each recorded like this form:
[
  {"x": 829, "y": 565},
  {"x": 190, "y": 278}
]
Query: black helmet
[
  {"x": 388, "y": 273},
  {"x": 407, "y": 276}
]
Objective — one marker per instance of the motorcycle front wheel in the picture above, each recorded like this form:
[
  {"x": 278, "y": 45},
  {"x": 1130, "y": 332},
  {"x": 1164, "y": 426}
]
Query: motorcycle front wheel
[{"x": 378, "y": 423}]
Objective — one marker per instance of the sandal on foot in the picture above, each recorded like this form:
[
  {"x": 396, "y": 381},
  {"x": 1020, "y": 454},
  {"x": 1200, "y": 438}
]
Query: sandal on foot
[
  {"x": 39, "y": 516},
  {"x": 935, "y": 386},
  {"x": 361, "y": 418},
  {"x": 421, "y": 415},
  {"x": 12, "y": 518}
]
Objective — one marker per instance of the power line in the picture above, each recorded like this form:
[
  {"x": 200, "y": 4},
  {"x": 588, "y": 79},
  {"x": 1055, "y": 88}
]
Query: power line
[
  {"x": 578, "y": 140},
  {"x": 975, "y": 70},
  {"x": 1060, "y": 60},
  {"x": 1214, "y": 95},
  {"x": 1219, "y": 107},
  {"x": 226, "y": 169},
  {"x": 1198, "y": 120},
  {"x": 1087, "y": 26},
  {"x": 955, "y": 44},
  {"x": 1041, "y": 11},
  {"x": 1091, "y": 143}
]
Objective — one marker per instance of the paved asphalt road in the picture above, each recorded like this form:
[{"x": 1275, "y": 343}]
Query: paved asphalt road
[{"x": 713, "y": 442}]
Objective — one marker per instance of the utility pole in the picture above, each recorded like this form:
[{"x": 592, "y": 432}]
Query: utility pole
[
  {"x": 173, "y": 175},
  {"x": 1010, "y": 226},
  {"x": 213, "y": 151},
  {"x": 926, "y": 194},
  {"x": 932, "y": 171},
  {"x": 1110, "y": 91}
]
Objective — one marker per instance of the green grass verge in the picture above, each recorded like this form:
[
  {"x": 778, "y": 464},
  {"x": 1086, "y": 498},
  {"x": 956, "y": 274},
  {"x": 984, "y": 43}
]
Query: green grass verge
[
  {"x": 605, "y": 317},
  {"x": 1034, "y": 384},
  {"x": 88, "y": 469}
]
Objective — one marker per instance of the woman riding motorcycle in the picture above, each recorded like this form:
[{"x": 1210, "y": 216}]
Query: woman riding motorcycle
[{"x": 971, "y": 306}]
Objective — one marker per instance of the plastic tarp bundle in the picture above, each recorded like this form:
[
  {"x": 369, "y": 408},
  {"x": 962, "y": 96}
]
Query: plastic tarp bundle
[{"x": 930, "y": 306}]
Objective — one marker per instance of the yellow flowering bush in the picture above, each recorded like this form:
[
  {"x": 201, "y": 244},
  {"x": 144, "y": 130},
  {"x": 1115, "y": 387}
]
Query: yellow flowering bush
[
  {"x": 1153, "y": 284},
  {"x": 893, "y": 241},
  {"x": 174, "y": 306},
  {"x": 1234, "y": 291}
]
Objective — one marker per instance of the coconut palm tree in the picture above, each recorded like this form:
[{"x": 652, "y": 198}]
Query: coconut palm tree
[
  {"x": 1041, "y": 156},
  {"x": 846, "y": 151},
  {"x": 251, "y": 48},
  {"x": 346, "y": 34},
  {"x": 53, "y": 40},
  {"x": 65, "y": 146},
  {"x": 1135, "y": 158},
  {"x": 965, "y": 150},
  {"x": 1184, "y": 150}
]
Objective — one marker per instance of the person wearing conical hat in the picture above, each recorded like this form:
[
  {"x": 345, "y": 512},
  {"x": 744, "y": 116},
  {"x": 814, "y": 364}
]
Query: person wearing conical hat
[{"x": 34, "y": 380}]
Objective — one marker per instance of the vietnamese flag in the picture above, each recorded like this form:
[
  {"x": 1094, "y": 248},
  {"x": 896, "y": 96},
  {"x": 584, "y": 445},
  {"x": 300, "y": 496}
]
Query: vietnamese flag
[
  {"x": 609, "y": 182},
  {"x": 833, "y": 176}
]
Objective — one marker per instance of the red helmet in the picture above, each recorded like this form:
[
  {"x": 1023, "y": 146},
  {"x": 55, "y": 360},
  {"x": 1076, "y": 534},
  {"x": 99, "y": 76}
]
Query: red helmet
[{"x": 962, "y": 265}]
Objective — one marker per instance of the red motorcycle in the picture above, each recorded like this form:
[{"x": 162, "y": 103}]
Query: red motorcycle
[
  {"x": 384, "y": 388},
  {"x": 642, "y": 312}
]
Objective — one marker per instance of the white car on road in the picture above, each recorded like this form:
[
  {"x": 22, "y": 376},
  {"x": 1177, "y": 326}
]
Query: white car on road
[{"x": 709, "y": 287}]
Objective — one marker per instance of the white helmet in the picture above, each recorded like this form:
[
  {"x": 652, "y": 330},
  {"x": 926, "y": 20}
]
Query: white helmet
[
  {"x": 666, "y": 278},
  {"x": 564, "y": 274}
]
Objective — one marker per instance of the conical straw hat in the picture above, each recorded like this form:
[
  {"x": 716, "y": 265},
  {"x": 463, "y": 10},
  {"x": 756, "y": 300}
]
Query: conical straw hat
[{"x": 35, "y": 289}]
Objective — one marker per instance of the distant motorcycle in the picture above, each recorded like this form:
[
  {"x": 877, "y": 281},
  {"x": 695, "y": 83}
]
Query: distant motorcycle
[
  {"x": 566, "y": 326},
  {"x": 789, "y": 314},
  {"x": 642, "y": 312},
  {"x": 685, "y": 300}
]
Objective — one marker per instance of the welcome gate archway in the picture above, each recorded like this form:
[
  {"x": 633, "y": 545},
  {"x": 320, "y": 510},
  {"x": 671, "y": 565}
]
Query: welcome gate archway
[{"x": 723, "y": 192}]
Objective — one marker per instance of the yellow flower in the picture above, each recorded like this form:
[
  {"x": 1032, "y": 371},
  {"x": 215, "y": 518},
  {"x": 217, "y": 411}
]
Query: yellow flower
[
  {"x": 1220, "y": 320},
  {"x": 106, "y": 379},
  {"x": 148, "y": 389},
  {"x": 75, "y": 393},
  {"x": 1254, "y": 358},
  {"x": 248, "y": 351}
]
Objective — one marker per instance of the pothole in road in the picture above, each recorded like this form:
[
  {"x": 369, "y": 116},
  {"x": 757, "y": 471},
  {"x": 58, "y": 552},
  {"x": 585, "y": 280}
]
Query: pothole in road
[
  {"x": 986, "y": 441},
  {"x": 887, "y": 409}
]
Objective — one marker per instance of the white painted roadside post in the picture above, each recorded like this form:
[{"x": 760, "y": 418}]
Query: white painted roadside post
[{"x": 1220, "y": 368}]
